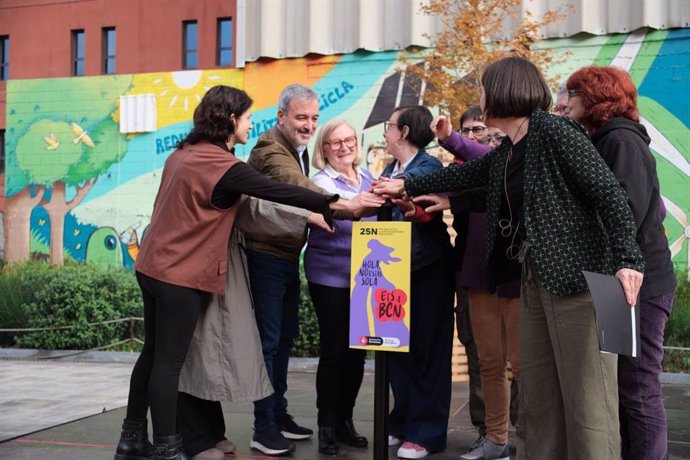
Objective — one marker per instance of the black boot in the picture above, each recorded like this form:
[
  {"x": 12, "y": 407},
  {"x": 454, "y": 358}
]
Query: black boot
[
  {"x": 346, "y": 433},
  {"x": 327, "y": 445},
  {"x": 134, "y": 441},
  {"x": 168, "y": 448}
]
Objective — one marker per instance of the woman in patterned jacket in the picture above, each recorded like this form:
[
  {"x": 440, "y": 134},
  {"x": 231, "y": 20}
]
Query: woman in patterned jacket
[{"x": 554, "y": 209}]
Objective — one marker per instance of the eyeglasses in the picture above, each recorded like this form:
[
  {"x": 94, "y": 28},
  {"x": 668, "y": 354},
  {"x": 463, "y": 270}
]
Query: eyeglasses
[
  {"x": 476, "y": 130},
  {"x": 388, "y": 124},
  {"x": 336, "y": 144},
  {"x": 560, "y": 109},
  {"x": 497, "y": 138},
  {"x": 573, "y": 93}
]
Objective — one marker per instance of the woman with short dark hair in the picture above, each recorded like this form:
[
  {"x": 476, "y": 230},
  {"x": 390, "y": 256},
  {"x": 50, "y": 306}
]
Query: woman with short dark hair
[
  {"x": 183, "y": 260},
  {"x": 554, "y": 209},
  {"x": 604, "y": 100},
  {"x": 421, "y": 379}
]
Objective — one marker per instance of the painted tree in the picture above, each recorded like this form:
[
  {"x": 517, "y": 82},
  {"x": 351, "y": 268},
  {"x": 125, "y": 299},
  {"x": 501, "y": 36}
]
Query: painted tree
[
  {"x": 55, "y": 104},
  {"x": 472, "y": 37},
  {"x": 16, "y": 220},
  {"x": 66, "y": 159}
]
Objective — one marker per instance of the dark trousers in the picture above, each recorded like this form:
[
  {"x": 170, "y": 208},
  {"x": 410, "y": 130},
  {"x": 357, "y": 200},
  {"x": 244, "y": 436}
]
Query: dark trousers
[
  {"x": 421, "y": 380},
  {"x": 341, "y": 369},
  {"x": 641, "y": 409},
  {"x": 275, "y": 290},
  {"x": 464, "y": 326},
  {"x": 200, "y": 422},
  {"x": 170, "y": 316}
]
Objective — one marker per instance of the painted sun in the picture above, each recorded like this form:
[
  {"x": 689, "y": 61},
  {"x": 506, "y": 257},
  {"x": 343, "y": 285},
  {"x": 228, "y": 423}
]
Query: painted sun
[
  {"x": 178, "y": 93},
  {"x": 187, "y": 86}
]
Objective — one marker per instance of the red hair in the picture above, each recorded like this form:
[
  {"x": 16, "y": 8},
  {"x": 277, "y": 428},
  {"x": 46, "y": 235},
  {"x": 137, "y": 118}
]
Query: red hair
[{"x": 606, "y": 92}]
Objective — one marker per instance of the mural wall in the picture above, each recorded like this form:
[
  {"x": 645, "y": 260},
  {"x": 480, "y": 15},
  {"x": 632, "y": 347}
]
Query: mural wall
[{"x": 77, "y": 189}]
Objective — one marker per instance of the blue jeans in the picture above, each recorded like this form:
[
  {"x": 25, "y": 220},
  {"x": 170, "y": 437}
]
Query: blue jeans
[
  {"x": 421, "y": 379},
  {"x": 275, "y": 290},
  {"x": 642, "y": 414}
]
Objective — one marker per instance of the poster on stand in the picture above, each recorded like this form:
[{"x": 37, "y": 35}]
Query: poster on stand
[{"x": 380, "y": 286}]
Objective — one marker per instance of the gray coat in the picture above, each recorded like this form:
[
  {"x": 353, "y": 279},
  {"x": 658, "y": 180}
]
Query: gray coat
[{"x": 225, "y": 361}]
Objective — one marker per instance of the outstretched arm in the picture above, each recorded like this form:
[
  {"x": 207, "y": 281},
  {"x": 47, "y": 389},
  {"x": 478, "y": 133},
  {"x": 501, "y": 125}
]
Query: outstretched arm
[
  {"x": 461, "y": 148},
  {"x": 243, "y": 179}
]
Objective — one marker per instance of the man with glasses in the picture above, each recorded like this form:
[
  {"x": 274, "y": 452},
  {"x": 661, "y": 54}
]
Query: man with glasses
[{"x": 472, "y": 126}]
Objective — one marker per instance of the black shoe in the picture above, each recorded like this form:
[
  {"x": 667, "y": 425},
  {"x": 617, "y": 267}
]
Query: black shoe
[
  {"x": 346, "y": 433},
  {"x": 271, "y": 442},
  {"x": 291, "y": 430},
  {"x": 134, "y": 441},
  {"x": 327, "y": 445},
  {"x": 168, "y": 448}
]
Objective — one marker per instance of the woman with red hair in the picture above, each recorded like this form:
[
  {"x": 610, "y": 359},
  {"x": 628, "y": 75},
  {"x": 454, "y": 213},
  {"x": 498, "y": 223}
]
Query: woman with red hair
[{"x": 604, "y": 100}]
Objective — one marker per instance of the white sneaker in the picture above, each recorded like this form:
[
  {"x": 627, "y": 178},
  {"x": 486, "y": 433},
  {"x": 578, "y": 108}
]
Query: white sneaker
[
  {"x": 393, "y": 441},
  {"x": 412, "y": 450}
]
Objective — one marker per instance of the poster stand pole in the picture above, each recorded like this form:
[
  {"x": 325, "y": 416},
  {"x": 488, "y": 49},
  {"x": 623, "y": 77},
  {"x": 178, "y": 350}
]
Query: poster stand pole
[
  {"x": 381, "y": 376},
  {"x": 381, "y": 383}
]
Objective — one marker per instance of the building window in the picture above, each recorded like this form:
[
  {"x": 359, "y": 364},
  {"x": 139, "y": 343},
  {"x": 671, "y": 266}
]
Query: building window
[
  {"x": 2, "y": 151},
  {"x": 109, "y": 49},
  {"x": 190, "y": 47},
  {"x": 224, "y": 41},
  {"x": 4, "y": 58},
  {"x": 78, "y": 52}
]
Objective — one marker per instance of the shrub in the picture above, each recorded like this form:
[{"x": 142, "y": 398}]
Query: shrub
[
  {"x": 678, "y": 328},
  {"x": 307, "y": 343},
  {"x": 18, "y": 285},
  {"x": 76, "y": 296}
]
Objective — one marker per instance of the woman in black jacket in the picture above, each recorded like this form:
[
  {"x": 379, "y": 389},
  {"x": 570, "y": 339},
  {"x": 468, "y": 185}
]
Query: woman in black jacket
[
  {"x": 604, "y": 100},
  {"x": 553, "y": 209}
]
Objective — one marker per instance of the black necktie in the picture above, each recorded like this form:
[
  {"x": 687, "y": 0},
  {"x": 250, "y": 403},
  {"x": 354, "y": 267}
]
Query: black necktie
[{"x": 305, "y": 161}]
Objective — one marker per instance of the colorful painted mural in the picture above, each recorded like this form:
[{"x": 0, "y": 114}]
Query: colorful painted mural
[{"x": 77, "y": 188}]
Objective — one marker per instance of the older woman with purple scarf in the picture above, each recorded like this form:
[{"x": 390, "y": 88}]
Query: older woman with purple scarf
[{"x": 327, "y": 266}]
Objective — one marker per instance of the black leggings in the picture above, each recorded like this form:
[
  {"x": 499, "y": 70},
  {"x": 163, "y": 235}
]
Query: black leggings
[{"x": 170, "y": 316}]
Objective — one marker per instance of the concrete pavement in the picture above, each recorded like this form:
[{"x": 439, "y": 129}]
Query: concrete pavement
[{"x": 63, "y": 410}]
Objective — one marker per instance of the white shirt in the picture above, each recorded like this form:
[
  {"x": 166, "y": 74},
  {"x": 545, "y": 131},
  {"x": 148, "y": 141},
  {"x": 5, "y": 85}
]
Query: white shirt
[
  {"x": 300, "y": 150},
  {"x": 400, "y": 168}
]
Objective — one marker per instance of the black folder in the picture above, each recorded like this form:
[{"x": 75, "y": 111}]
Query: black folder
[{"x": 618, "y": 324}]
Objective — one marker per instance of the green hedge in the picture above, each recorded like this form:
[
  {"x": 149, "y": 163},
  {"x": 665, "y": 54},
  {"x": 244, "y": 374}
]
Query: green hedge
[
  {"x": 35, "y": 294},
  {"x": 73, "y": 295},
  {"x": 678, "y": 327},
  {"x": 307, "y": 344},
  {"x": 677, "y": 332},
  {"x": 18, "y": 285}
]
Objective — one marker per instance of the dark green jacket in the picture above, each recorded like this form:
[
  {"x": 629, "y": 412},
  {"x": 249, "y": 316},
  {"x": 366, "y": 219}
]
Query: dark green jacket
[{"x": 576, "y": 214}]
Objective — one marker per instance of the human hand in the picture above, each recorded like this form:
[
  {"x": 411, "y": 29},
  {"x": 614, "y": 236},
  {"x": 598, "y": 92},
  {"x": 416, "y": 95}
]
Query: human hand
[
  {"x": 631, "y": 280},
  {"x": 365, "y": 203},
  {"x": 406, "y": 206},
  {"x": 316, "y": 219},
  {"x": 388, "y": 188},
  {"x": 433, "y": 203},
  {"x": 442, "y": 127}
]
